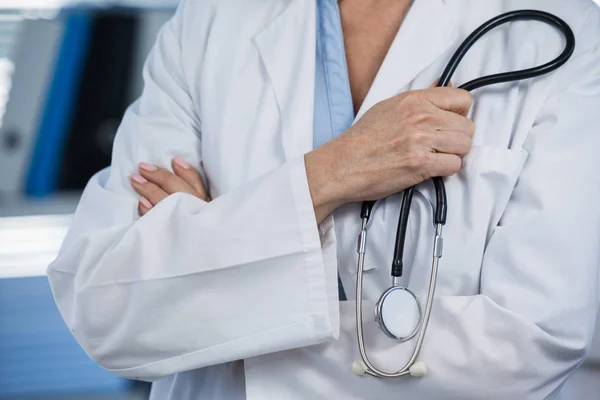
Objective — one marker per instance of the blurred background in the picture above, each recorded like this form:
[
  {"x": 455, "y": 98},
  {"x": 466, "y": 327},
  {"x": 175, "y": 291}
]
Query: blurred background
[{"x": 68, "y": 70}]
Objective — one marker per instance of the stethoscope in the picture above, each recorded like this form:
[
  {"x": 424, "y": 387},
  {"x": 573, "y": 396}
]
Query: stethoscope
[{"x": 398, "y": 311}]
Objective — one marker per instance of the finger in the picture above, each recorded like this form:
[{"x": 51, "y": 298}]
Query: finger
[
  {"x": 449, "y": 121},
  {"x": 185, "y": 171},
  {"x": 458, "y": 101},
  {"x": 451, "y": 142},
  {"x": 166, "y": 180},
  {"x": 147, "y": 189},
  {"x": 444, "y": 165},
  {"x": 144, "y": 206}
]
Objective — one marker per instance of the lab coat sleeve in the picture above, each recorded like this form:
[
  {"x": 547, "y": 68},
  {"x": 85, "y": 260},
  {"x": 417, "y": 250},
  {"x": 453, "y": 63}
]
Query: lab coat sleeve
[
  {"x": 190, "y": 284},
  {"x": 534, "y": 320}
]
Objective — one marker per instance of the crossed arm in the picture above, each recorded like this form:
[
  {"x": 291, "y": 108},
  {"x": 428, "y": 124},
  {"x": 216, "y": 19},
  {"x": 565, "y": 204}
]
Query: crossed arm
[{"x": 155, "y": 184}]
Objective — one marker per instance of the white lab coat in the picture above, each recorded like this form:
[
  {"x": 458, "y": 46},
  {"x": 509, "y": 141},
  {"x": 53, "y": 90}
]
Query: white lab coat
[{"x": 194, "y": 286}]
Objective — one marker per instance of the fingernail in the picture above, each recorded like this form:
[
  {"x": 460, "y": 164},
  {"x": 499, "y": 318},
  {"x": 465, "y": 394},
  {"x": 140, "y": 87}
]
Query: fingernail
[
  {"x": 147, "y": 167},
  {"x": 144, "y": 201},
  {"x": 181, "y": 162},
  {"x": 139, "y": 178}
]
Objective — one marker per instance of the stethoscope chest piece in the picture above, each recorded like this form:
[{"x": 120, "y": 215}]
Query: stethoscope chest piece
[{"x": 398, "y": 313}]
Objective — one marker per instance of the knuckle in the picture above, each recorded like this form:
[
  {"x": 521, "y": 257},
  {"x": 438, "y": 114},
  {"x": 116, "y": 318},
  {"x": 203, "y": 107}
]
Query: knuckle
[
  {"x": 171, "y": 179},
  {"x": 165, "y": 176},
  {"x": 154, "y": 191},
  {"x": 418, "y": 140},
  {"x": 468, "y": 145},
  {"x": 446, "y": 166},
  {"x": 414, "y": 95},
  {"x": 463, "y": 143},
  {"x": 417, "y": 161},
  {"x": 171, "y": 183},
  {"x": 145, "y": 188},
  {"x": 403, "y": 97},
  {"x": 466, "y": 149},
  {"x": 471, "y": 127},
  {"x": 410, "y": 100},
  {"x": 465, "y": 97},
  {"x": 157, "y": 177},
  {"x": 454, "y": 165},
  {"x": 419, "y": 116}
]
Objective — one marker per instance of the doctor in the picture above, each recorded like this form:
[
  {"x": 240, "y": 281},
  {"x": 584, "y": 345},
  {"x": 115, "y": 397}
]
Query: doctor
[{"x": 237, "y": 298}]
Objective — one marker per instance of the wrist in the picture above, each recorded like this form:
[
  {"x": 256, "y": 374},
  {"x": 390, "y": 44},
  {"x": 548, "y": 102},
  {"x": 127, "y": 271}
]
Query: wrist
[{"x": 324, "y": 191}]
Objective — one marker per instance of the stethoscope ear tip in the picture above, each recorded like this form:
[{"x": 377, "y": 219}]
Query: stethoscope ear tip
[
  {"x": 359, "y": 368},
  {"x": 418, "y": 370}
]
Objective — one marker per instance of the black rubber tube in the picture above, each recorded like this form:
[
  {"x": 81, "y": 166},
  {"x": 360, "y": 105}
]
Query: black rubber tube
[{"x": 441, "y": 209}]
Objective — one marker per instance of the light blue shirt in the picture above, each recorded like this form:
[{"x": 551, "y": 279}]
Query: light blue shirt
[{"x": 334, "y": 111}]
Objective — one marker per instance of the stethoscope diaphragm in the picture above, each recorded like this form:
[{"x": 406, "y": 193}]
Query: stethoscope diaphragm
[{"x": 398, "y": 313}]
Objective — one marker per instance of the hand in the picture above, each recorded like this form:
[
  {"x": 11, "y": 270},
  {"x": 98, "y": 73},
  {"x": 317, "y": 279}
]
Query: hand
[
  {"x": 400, "y": 142},
  {"x": 154, "y": 183}
]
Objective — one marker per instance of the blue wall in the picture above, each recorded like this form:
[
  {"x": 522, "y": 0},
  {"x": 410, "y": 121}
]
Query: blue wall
[{"x": 38, "y": 355}]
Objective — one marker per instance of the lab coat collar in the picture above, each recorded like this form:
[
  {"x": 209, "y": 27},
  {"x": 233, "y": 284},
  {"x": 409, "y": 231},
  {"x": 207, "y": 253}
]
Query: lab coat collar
[{"x": 287, "y": 48}]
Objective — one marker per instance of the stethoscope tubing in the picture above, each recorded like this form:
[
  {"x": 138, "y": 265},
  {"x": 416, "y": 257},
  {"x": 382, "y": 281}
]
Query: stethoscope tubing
[{"x": 441, "y": 209}]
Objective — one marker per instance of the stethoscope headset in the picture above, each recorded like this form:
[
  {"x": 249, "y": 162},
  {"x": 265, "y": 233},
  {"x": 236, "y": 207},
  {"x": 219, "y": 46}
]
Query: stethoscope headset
[{"x": 398, "y": 311}]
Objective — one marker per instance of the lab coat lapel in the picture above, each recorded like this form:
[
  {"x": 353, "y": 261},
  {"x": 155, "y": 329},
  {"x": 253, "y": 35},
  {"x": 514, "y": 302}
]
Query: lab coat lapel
[
  {"x": 426, "y": 34},
  {"x": 287, "y": 48}
]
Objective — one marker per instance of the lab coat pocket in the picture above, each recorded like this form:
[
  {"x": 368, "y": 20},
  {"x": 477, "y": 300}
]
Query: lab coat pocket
[
  {"x": 484, "y": 167},
  {"x": 477, "y": 197},
  {"x": 485, "y": 184}
]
